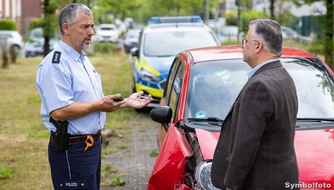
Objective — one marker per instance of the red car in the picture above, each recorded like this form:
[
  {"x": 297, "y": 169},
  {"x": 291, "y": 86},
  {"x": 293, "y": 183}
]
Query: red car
[{"x": 201, "y": 88}]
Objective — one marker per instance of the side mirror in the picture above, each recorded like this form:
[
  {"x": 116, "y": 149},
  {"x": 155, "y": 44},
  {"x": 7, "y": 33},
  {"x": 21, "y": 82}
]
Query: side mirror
[
  {"x": 161, "y": 114},
  {"x": 134, "y": 52}
]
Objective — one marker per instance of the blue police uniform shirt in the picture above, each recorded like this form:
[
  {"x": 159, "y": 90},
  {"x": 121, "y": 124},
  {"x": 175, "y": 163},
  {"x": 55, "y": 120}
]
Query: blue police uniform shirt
[{"x": 65, "y": 76}]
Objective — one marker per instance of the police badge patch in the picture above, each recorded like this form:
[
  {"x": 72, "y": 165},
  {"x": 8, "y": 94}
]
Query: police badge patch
[
  {"x": 56, "y": 57},
  {"x": 73, "y": 184}
]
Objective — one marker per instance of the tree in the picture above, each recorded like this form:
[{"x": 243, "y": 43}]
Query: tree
[
  {"x": 49, "y": 7},
  {"x": 329, "y": 34},
  {"x": 328, "y": 24}
]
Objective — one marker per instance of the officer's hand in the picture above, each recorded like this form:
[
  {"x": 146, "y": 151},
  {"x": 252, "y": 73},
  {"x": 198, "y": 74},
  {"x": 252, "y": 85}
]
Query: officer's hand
[
  {"x": 111, "y": 103},
  {"x": 136, "y": 100}
]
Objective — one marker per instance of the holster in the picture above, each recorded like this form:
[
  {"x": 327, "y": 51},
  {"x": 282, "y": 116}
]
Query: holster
[{"x": 60, "y": 138}]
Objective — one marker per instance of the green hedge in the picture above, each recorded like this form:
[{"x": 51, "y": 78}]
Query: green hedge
[
  {"x": 104, "y": 47},
  {"x": 7, "y": 25},
  {"x": 36, "y": 23}
]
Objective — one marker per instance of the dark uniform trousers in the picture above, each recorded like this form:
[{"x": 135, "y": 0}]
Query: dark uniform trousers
[{"x": 75, "y": 168}]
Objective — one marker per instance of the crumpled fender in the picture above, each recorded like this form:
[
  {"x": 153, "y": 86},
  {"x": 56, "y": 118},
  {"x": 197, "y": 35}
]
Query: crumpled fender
[{"x": 169, "y": 168}]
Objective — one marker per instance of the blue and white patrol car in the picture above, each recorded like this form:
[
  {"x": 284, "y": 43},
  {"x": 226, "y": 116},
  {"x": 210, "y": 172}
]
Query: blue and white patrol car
[{"x": 159, "y": 42}]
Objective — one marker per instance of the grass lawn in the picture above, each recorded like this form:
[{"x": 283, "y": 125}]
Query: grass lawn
[{"x": 23, "y": 137}]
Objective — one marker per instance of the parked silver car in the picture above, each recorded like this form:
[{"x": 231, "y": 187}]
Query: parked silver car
[
  {"x": 107, "y": 33},
  {"x": 34, "y": 45},
  {"x": 228, "y": 34},
  {"x": 131, "y": 39},
  {"x": 289, "y": 34},
  {"x": 13, "y": 39}
]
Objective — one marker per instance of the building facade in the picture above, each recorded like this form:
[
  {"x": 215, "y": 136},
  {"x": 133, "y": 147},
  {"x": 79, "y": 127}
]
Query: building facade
[{"x": 21, "y": 12}]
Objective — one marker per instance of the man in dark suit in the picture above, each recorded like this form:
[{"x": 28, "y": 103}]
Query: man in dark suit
[{"x": 255, "y": 150}]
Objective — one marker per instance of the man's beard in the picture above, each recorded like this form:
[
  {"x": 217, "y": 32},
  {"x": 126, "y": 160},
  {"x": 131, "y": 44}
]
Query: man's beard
[{"x": 86, "y": 46}]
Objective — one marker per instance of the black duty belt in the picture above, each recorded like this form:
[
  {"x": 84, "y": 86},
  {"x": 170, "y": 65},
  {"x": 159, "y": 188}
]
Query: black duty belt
[{"x": 75, "y": 139}]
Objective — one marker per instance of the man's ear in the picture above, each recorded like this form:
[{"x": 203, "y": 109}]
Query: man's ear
[
  {"x": 258, "y": 46},
  {"x": 66, "y": 28}
]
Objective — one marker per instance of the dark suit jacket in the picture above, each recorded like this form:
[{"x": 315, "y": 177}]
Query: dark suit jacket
[{"x": 255, "y": 149}]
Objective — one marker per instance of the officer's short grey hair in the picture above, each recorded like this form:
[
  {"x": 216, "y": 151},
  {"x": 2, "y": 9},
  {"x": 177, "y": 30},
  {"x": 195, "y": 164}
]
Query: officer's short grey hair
[{"x": 69, "y": 14}]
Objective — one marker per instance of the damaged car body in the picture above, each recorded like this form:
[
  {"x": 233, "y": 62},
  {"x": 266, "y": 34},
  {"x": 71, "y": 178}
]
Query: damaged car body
[{"x": 201, "y": 88}]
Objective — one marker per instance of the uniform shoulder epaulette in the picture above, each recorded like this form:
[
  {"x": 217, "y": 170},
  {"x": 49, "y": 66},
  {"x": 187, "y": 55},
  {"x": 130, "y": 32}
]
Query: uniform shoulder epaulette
[{"x": 56, "y": 57}]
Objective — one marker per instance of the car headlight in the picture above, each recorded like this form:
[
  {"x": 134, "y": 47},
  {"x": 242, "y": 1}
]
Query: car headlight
[
  {"x": 147, "y": 75},
  {"x": 203, "y": 176}
]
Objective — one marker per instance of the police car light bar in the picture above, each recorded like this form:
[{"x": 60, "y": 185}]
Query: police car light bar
[{"x": 175, "y": 19}]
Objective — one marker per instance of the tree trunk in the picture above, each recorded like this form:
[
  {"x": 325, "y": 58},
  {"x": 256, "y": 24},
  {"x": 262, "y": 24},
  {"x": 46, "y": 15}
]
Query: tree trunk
[
  {"x": 5, "y": 63},
  {"x": 47, "y": 26},
  {"x": 329, "y": 44},
  {"x": 13, "y": 54},
  {"x": 272, "y": 15}
]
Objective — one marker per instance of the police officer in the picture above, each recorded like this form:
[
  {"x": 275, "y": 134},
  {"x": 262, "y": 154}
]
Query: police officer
[{"x": 70, "y": 89}]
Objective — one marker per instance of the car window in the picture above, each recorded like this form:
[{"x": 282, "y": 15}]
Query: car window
[
  {"x": 175, "y": 66},
  {"x": 214, "y": 86},
  {"x": 37, "y": 34},
  {"x": 133, "y": 34},
  {"x": 6, "y": 35},
  {"x": 107, "y": 28},
  {"x": 171, "y": 43},
  {"x": 315, "y": 87},
  {"x": 176, "y": 89}
]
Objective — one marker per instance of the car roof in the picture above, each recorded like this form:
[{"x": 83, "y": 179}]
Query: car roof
[
  {"x": 107, "y": 26},
  {"x": 286, "y": 28},
  {"x": 175, "y": 19},
  {"x": 14, "y": 32},
  {"x": 235, "y": 52},
  {"x": 170, "y": 23},
  {"x": 172, "y": 27},
  {"x": 8, "y": 31}
]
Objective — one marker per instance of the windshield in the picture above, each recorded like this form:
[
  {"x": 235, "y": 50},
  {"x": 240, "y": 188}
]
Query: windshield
[
  {"x": 214, "y": 86},
  {"x": 315, "y": 88},
  {"x": 171, "y": 43},
  {"x": 133, "y": 33}
]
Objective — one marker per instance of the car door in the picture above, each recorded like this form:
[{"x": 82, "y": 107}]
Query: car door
[
  {"x": 174, "y": 149},
  {"x": 171, "y": 95}
]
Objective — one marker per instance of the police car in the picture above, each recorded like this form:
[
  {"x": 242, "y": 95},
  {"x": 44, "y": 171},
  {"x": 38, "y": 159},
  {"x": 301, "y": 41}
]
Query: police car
[{"x": 159, "y": 42}]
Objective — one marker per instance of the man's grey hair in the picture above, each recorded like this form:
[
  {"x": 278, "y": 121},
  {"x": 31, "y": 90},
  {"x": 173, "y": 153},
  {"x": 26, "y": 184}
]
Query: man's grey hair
[
  {"x": 69, "y": 14},
  {"x": 269, "y": 31}
]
